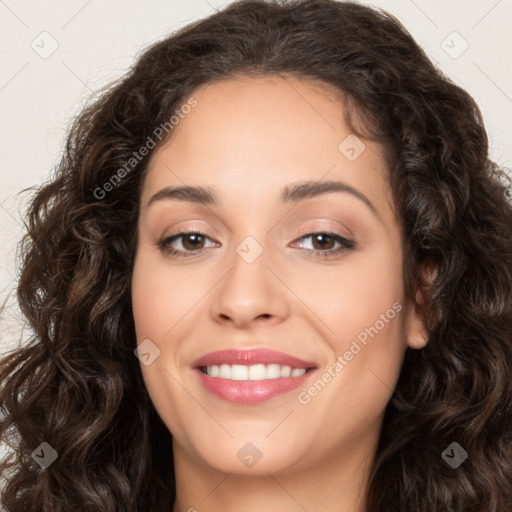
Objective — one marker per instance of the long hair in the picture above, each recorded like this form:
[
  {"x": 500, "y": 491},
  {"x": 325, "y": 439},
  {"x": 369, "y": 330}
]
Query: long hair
[{"x": 76, "y": 384}]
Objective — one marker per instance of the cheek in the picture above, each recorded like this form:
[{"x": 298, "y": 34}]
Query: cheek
[
  {"x": 146, "y": 297},
  {"x": 160, "y": 297},
  {"x": 157, "y": 308},
  {"x": 164, "y": 304},
  {"x": 360, "y": 307},
  {"x": 352, "y": 297}
]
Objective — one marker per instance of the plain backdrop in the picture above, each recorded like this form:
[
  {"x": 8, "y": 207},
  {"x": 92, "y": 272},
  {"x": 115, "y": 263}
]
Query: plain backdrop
[{"x": 55, "y": 54}]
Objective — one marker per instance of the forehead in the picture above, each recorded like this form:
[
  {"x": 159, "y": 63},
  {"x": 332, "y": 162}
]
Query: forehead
[{"x": 250, "y": 137}]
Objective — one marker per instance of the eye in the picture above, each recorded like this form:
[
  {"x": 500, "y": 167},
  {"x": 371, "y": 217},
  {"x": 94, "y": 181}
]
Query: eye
[
  {"x": 192, "y": 243},
  {"x": 322, "y": 242}
]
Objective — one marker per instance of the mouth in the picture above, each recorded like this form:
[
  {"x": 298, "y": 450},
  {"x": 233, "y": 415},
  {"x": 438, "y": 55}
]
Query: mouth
[{"x": 251, "y": 376}]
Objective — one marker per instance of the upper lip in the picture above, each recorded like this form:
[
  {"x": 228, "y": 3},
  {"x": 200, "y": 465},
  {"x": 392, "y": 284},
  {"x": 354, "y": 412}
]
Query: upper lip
[{"x": 250, "y": 357}]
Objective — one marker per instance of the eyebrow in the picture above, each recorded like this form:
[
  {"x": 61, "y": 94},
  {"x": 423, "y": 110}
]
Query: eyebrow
[{"x": 290, "y": 194}]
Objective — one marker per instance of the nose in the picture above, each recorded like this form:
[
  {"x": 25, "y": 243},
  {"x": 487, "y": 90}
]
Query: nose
[{"x": 250, "y": 293}]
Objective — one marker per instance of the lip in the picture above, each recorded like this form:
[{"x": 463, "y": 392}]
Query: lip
[
  {"x": 251, "y": 391},
  {"x": 250, "y": 357}
]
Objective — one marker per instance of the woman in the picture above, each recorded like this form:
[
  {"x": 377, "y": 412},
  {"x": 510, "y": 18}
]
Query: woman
[{"x": 273, "y": 272}]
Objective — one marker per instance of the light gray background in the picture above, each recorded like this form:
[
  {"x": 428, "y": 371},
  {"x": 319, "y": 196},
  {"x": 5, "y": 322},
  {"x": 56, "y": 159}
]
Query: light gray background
[{"x": 98, "y": 41}]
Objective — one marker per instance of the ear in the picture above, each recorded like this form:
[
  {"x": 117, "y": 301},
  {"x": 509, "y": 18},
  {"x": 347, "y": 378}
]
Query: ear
[{"x": 416, "y": 332}]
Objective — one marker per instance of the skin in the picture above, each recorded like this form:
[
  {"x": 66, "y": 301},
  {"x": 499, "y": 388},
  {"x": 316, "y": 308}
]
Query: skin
[{"x": 248, "y": 138}]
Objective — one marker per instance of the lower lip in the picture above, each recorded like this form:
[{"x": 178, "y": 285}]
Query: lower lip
[{"x": 250, "y": 391}]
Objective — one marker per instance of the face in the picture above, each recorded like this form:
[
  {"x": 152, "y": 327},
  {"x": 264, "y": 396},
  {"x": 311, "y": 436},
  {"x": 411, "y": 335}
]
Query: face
[{"x": 302, "y": 285}]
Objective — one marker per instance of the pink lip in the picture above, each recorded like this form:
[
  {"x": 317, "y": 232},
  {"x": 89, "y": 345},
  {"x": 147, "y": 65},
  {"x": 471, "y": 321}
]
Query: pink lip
[
  {"x": 250, "y": 357},
  {"x": 250, "y": 391}
]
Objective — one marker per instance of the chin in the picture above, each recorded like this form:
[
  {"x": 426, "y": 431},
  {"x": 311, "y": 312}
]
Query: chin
[{"x": 258, "y": 457}]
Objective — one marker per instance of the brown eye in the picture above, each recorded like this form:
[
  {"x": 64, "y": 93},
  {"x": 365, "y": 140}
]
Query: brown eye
[
  {"x": 191, "y": 244},
  {"x": 192, "y": 241},
  {"x": 322, "y": 241},
  {"x": 322, "y": 244}
]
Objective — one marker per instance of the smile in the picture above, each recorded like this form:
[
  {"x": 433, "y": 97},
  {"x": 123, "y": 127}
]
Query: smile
[{"x": 251, "y": 376}]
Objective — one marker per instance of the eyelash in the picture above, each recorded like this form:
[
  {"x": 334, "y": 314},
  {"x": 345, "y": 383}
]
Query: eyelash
[{"x": 164, "y": 244}]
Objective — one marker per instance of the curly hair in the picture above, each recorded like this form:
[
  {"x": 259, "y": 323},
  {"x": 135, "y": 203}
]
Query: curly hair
[{"x": 76, "y": 383}]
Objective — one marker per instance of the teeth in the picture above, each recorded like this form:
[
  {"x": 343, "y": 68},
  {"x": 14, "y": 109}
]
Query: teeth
[
  {"x": 225, "y": 371},
  {"x": 253, "y": 372},
  {"x": 257, "y": 372},
  {"x": 273, "y": 371},
  {"x": 286, "y": 371},
  {"x": 239, "y": 372}
]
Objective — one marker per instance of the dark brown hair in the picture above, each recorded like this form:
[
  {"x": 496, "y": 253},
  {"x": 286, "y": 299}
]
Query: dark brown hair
[{"x": 77, "y": 384}]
